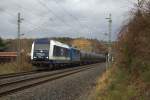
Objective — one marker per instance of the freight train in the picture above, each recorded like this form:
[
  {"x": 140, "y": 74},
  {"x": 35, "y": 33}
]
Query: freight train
[{"x": 47, "y": 54}]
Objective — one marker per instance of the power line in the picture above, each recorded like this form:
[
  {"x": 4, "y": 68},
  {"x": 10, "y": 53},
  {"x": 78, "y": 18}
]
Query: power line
[
  {"x": 25, "y": 21},
  {"x": 74, "y": 17},
  {"x": 36, "y": 27},
  {"x": 66, "y": 11},
  {"x": 15, "y": 17},
  {"x": 52, "y": 12}
]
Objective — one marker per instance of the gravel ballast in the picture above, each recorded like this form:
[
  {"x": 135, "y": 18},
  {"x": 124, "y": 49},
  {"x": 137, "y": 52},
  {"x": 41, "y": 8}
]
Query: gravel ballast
[{"x": 73, "y": 87}]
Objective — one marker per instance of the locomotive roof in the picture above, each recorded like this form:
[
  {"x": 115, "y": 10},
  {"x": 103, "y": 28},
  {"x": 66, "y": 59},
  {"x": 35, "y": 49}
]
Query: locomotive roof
[
  {"x": 48, "y": 41},
  {"x": 54, "y": 42},
  {"x": 42, "y": 41}
]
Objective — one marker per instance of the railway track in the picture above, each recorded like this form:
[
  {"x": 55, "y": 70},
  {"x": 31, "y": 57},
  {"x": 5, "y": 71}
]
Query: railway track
[
  {"x": 10, "y": 87},
  {"x": 16, "y": 74}
]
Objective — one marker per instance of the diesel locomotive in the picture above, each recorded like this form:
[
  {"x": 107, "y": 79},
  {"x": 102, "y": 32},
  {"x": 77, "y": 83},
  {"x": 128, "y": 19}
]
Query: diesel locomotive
[{"x": 47, "y": 53}]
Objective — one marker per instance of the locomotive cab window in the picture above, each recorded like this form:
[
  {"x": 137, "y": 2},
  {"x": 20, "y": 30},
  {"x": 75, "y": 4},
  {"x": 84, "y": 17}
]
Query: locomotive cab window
[{"x": 60, "y": 51}]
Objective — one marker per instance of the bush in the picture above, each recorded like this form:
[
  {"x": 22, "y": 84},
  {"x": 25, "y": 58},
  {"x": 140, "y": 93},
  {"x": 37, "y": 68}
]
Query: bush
[
  {"x": 2, "y": 45},
  {"x": 131, "y": 78},
  {"x": 134, "y": 39}
]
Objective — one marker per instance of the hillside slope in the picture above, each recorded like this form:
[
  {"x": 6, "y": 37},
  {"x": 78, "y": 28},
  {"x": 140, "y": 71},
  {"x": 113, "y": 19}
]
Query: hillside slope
[{"x": 129, "y": 77}]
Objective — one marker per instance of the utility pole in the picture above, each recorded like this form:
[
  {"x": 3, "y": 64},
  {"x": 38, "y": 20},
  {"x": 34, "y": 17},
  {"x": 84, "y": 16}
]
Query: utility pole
[
  {"x": 109, "y": 56},
  {"x": 18, "y": 40}
]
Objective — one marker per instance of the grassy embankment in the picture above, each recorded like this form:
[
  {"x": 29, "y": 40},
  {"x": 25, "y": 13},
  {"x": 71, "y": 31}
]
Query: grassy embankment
[
  {"x": 129, "y": 77},
  {"x": 118, "y": 84}
]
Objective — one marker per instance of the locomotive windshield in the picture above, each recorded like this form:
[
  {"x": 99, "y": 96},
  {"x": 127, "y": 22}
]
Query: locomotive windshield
[
  {"x": 41, "y": 51},
  {"x": 41, "y": 47},
  {"x": 41, "y": 44}
]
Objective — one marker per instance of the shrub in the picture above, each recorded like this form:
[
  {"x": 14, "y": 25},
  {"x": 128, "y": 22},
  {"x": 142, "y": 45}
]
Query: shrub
[{"x": 133, "y": 46}]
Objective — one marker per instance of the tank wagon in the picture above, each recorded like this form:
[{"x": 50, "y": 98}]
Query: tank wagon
[{"x": 47, "y": 53}]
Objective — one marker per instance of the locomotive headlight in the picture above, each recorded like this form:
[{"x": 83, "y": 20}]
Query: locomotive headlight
[
  {"x": 47, "y": 57},
  {"x": 34, "y": 57}
]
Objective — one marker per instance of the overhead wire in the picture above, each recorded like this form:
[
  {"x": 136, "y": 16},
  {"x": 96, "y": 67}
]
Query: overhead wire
[
  {"x": 30, "y": 23},
  {"x": 58, "y": 17},
  {"x": 85, "y": 26},
  {"x": 52, "y": 12},
  {"x": 66, "y": 11}
]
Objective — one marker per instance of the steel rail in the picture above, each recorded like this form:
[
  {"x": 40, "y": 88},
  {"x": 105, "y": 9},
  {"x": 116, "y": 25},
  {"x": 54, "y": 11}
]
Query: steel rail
[
  {"x": 15, "y": 86},
  {"x": 16, "y": 74}
]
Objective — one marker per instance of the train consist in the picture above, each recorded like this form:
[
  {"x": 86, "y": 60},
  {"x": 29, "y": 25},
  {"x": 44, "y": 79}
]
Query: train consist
[{"x": 51, "y": 53}]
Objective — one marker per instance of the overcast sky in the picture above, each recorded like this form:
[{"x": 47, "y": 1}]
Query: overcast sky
[{"x": 69, "y": 18}]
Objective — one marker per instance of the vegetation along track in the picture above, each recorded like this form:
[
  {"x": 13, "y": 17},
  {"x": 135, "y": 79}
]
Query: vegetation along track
[{"x": 18, "y": 85}]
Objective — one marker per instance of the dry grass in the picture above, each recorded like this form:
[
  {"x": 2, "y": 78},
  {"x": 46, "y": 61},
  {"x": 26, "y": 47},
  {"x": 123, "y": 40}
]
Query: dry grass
[
  {"x": 13, "y": 68},
  {"x": 117, "y": 84},
  {"x": 101, "y": 86},
  {"x": 8, "y": 68}
]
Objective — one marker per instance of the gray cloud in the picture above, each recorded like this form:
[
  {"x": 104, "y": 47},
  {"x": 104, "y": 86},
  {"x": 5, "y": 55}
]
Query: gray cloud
[{"x": 73, "y": 18}]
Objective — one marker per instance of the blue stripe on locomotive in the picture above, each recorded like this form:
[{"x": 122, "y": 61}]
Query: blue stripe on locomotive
[{"x": 74, "y": 54}]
